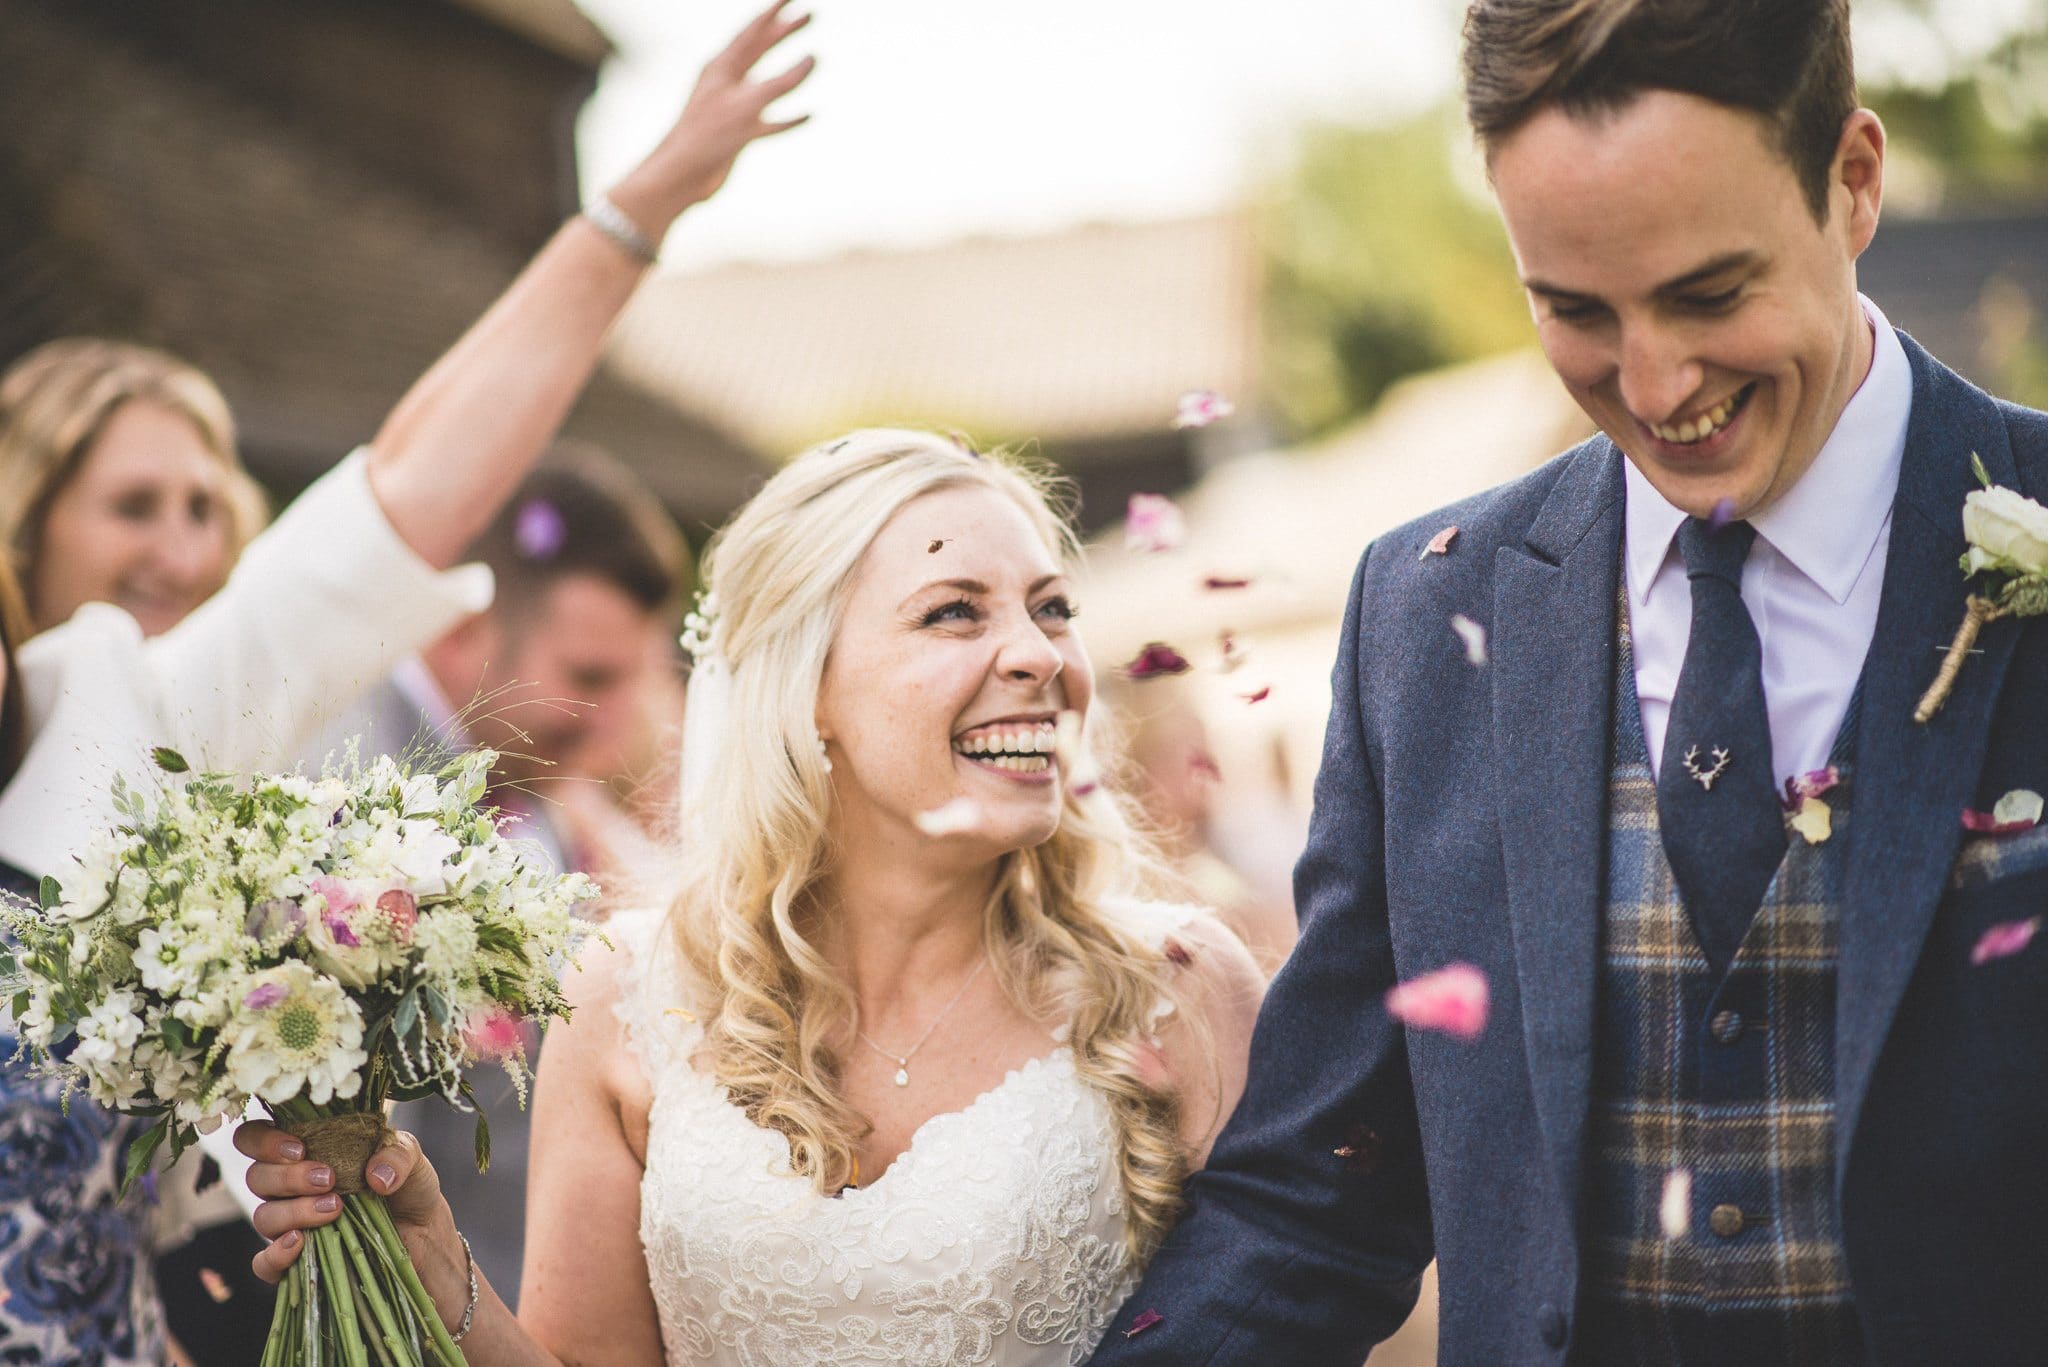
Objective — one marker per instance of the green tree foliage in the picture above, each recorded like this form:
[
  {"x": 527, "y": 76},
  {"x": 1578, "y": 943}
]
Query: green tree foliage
[{"x": 1379, "y": 262}]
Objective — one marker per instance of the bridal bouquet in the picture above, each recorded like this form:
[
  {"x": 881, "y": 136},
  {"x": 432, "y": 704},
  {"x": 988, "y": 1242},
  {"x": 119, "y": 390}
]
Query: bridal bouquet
[{"x": 319, "y": 945}]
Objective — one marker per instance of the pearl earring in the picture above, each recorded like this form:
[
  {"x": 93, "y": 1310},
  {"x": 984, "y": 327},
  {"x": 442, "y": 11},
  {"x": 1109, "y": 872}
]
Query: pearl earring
[{"x": 823, "y": 753}]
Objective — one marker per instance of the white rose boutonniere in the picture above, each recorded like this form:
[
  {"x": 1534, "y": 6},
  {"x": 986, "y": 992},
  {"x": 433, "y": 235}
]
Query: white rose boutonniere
[{"x": 2008, "y": 536}]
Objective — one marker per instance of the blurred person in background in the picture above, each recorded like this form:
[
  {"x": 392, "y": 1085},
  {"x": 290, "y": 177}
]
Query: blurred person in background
[
  {"x": 591, "y": 573},
  {"x": 1182, "y": 791},
  {"x": 128, "y": 513}
]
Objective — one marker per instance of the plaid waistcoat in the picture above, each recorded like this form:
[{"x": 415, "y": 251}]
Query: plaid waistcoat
[{"x": 1730, "y": 1080}]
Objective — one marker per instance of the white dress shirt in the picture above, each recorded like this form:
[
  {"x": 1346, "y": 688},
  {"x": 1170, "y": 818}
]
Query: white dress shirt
[{"x": 1812, "y": 581}]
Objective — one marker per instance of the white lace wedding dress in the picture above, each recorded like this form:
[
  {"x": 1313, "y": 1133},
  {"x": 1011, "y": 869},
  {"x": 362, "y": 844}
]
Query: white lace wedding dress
[{"x": 996, "y": 1237}]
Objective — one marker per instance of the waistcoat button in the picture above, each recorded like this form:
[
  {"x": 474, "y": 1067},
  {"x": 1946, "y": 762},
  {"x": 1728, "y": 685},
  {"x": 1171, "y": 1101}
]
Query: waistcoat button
[
  {"x": 1727, "y": 1026},
  {"x": 1726, "y": 1220}
]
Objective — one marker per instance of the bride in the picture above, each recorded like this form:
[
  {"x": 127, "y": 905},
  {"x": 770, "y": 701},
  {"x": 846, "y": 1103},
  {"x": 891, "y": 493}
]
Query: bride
[{"x": 909, "y": 1070}]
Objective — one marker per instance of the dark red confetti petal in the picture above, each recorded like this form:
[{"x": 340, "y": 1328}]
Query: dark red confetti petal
[
  {"x": 1146, "y": 1319},
  {"x": 1178, "y": 953},
  {"x": 1157, "y": 659},
  {"x": 1214, "y": 582},
  {"x": 1984, "y": 823},
  {"x": 1259, "y": 696}
]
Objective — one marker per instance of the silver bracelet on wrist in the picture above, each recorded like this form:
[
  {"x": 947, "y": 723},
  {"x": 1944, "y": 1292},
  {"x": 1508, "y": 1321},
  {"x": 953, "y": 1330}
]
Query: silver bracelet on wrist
[
  {"x": 609, "y": 219},
  {"x": 468, "y": 1311}
]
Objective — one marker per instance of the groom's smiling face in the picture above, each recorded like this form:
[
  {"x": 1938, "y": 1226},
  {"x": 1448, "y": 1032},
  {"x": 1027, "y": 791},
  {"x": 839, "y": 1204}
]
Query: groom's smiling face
[{"x": 1684, "y": 290}]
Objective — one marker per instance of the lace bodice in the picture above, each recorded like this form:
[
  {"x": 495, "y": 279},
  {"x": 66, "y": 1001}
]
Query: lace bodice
[{"x": 996, "y": 1237}]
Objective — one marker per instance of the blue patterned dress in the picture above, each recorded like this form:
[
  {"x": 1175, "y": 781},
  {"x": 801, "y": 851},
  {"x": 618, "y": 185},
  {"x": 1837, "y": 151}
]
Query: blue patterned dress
[{"x": 74, "y": 1270}]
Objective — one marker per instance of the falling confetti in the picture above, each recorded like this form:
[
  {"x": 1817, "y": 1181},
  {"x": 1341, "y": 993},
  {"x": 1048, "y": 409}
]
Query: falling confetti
[
  {"x": 1722, "y": 515},
  {"x": 1145, "y": 1320},
  {"x": 1259, "y": 695},
  {"x": 1810, "y": 784},
  {"x": 1474, "y": 637},
  {"x": 2004, "y": 940},
  {"x": 1153, "y": 523},
  {"x": 216, "y": 1285},
  {"x": 538, "y": 529},
  {"x": 1674, "y": 1212},
  {"x": 1453, "y": 1000},
  {"x": 1077, "y": 766},
  {"x": 2019, "y": 810},
  {"x": 1216, "y": 583},
  {"x": 1202, "y": 766},
  {"x": 1177, "y": 953},
  {"x": 1360, "y": 1149},
  {"x": 1233, "y": 654},
  {"x": 1157, "y": 659},
  {"x": 1813, "y": 820},
  {"x": 938, "y": 544},
  {"x": 1440, "y": 544},
  {"x": 1200, "y": 407},
  {"x": 959, "y": 815}
]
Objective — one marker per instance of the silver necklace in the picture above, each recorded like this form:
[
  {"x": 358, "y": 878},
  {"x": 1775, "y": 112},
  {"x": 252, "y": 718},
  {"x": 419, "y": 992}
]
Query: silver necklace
[{"x": 902, "y": 1061}]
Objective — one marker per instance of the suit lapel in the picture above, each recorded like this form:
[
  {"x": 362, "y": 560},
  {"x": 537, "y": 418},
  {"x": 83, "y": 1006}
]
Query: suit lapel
[
  {"x": 1553, "y": 649},
  {"x": 1913, "y": 781}
]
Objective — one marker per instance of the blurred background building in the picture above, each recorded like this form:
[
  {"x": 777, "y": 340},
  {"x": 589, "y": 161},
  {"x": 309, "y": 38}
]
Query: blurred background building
[{"x": 1039, "y": 226}]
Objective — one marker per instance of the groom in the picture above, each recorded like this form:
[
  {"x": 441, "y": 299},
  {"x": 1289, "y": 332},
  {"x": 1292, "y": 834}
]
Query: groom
[{"x": 1744, "y": 1098}]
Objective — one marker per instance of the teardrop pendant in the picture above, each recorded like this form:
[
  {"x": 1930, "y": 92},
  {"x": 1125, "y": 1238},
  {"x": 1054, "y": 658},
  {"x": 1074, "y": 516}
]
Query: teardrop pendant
[{"x": 902, "y": 1077}]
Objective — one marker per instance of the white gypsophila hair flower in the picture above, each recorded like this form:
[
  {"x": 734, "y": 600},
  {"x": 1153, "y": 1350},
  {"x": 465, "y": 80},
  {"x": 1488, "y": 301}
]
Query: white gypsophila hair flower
[{"x": 294, "y": 1030}]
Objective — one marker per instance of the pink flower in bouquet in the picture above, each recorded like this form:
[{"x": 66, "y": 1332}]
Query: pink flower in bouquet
[
  {"x": 265, "y": 996},
  {"x": 1152, "y": 523},
  {"x": 401, "y": 912},
  {"x": 1453, "y": 999},
  {"x": 495, "y": 1035}
]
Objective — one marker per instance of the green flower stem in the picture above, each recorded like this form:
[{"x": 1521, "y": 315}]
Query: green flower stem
[
  {"x": 446, "y": 1354},
  {"x": 347, "y": 1318},
  {"x": 388, "y": 1342}
]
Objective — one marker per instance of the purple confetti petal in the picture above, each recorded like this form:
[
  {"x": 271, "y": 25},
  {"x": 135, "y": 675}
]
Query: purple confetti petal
[
  {"x": 1145, "y": 1320},
  {"x": 1722, "y": 515},
  {"x": 1157, "y": 659},
  {"x": 538, "y": 530},
  {"x": 2004, "y": 940}
]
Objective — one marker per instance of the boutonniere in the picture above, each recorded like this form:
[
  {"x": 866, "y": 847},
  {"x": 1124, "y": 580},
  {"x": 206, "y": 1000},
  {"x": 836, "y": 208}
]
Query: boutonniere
[{"x": 2008, "y": 536}]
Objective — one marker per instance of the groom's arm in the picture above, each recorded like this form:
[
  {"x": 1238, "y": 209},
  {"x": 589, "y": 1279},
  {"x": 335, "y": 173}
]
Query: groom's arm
[{"x": 1308, "y": 1230}]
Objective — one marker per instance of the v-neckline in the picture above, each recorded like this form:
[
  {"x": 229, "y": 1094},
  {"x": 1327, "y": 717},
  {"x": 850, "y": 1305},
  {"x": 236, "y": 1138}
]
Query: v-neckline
[{"x": 908, "y": 1155}]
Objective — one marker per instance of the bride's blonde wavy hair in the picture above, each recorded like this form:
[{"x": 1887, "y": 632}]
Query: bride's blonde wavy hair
[{"x": 756, "y": 845}]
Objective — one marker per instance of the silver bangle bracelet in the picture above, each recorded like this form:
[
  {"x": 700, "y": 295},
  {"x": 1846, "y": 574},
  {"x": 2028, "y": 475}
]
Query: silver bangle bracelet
[
  {"x": 468, "y": 1311},
  {"x": 609, "y": 219}
]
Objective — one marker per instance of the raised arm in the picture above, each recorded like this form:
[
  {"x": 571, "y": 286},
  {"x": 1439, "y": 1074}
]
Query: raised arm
[
  {"x": 461, "y": 439},
  {"x": 1308, "y": 1229}
]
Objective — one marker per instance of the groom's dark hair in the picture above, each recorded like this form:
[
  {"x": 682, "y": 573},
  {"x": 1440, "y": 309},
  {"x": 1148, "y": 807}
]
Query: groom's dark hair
[{"x": 1785, "y": 60}]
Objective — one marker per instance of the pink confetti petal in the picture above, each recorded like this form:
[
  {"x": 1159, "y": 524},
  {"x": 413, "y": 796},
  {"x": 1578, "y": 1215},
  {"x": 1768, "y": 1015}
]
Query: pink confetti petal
[
  {"x": 1674, "y": 1211},
  {"x": 1145, "y": 1320},
  {"x": 1177, "y": 953},
  {"x": 538, "y": 529},
  {"x": 1200, "y": 763},
  {"x": 1216, "y": 583},
  {"x": 1453, "y": 1000},
  {"x": 1474, "y": 637},
  {"x": 1722, "y": 515},
  {"x": 952, "y": 818},
  {"x": 216, "y": 1285},
  {"x": 1153, "y": 523},
  {"x": 1813, "y": 783},
  {"x": 1200, "y": 407},
  {"x": 2019, "y": 810},
  {"x": 1984, "y": 823},
  {"x": 2004, "y": 940},
  {"x": 1440, "y": 544},
  {"x": 1260, "y": 696},
  {"x": 1156, "y": 659}
]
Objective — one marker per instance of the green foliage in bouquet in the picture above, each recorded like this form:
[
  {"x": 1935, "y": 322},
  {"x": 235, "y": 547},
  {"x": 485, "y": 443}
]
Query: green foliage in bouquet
[{"x": 317, "y": 944}]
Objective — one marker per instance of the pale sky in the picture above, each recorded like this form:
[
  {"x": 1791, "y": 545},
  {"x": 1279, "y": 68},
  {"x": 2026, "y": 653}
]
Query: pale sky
[
  {"x": 938, "y": 118},
  {"x": 934, "y": 119}
]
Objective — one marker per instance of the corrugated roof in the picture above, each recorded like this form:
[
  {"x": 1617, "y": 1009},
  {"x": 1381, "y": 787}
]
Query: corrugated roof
[{"x": 1086, "y": 334}]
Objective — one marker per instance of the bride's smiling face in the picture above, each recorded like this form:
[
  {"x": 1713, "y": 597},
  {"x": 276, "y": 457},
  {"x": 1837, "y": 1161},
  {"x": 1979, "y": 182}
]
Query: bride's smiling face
[{"x": 956, "y": 654}]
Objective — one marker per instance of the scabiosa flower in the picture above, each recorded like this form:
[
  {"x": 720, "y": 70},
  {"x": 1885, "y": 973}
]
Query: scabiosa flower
[{"x": 294, "y": 1030}]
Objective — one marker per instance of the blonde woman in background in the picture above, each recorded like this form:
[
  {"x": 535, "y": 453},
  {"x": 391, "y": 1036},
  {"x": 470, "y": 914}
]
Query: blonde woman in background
[
  {"x": 119, "y": 483},
  {"x": 911, "y": 1070}
]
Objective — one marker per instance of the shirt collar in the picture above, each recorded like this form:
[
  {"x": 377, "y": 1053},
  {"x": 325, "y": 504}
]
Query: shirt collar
[{"x": 1828, "y": 523}]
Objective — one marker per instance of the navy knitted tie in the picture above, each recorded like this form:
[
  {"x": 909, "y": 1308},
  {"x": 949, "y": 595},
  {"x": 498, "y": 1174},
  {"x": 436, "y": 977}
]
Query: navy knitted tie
[{"x": 1717, "y": 799}]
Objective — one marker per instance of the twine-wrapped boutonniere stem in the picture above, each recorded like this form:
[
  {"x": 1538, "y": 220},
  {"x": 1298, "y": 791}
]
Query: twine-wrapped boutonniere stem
[{"x": 2008, "y": 536}]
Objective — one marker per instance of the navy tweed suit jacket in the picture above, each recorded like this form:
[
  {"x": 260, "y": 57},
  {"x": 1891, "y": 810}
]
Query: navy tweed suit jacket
[{"x": 1459, "y": 815}]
